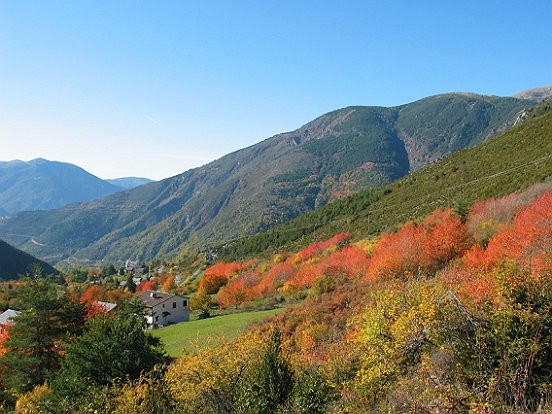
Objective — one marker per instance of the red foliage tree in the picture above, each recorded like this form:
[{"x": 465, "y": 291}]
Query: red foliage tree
[
  {"x": 239, "y": 290},
  {"x": 147, "y": 285},
  {"x": 528, "y": 240},
  {"x": 415, "y": 249},
  {"x": 92, "y": 294},
  {"x": 398, "y": 253},
  {"x": 447, "y": 239},
  {"x": 315, "y": 248},
  {"x": 218, "y": 275},
  {"x": 275, "y": 278},
  {"x": 350, "y": 262}
]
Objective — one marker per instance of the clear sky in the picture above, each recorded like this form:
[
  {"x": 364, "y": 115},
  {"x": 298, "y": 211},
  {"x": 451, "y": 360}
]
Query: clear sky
[{"x": 153, "y": 88}]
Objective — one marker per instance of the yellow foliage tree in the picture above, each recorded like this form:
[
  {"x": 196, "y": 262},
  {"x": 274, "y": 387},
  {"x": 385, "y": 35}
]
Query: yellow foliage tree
[
  {"x": 393, "y": 332},
  {"x": 206, "y": 381},
  {"x": 29, "y": 402}
]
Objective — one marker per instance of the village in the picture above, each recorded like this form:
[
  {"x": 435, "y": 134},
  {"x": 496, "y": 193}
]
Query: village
[{"x": 161, "y": 308}]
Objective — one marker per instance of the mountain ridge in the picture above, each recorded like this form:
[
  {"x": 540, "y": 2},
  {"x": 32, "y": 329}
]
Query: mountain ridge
[
  {"x": 268, "y": 183},
  {"x": 509, "y": 162},
  {"x": 128, "y": 183},
  {"x": 536, "y": 94},
  {"x": 40, "y": 184}
]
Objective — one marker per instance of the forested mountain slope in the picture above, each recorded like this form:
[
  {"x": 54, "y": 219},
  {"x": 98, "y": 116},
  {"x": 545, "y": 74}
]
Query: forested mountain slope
[
  {"x": 268, "y": 183},
  {"x": 14, "y": 262},
  {"x": 510, "y": 162}
]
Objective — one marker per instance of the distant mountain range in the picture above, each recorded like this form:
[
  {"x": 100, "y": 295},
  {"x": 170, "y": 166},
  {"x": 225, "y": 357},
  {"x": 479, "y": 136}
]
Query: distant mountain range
[
  {"x": 129, "y": 182},
  {"x": 271, "y": 182},
  {"x": 14, "y": 262},
  {"x": 40, "y": 184}
]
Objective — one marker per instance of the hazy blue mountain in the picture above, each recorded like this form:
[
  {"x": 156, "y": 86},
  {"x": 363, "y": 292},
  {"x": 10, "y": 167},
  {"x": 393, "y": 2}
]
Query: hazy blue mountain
[
  {"x": 14, "y": 262},
  {"x": 256, "y": 188},
  {"x": 40, "y": 184},
  {"x": 129, "y": 182}
]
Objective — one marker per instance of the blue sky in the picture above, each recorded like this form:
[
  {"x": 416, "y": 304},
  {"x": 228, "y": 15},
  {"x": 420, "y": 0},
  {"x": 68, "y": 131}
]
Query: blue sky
[{"x": 153, "y": 88}]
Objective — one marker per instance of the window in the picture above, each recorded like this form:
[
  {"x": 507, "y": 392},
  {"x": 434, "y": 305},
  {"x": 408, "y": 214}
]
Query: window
[
  {"x": 185, "y": 303},
  {"x": 163, "y": 305},
  {"x": 156, "y": 318},
  {"x": 174, "y": 305}
]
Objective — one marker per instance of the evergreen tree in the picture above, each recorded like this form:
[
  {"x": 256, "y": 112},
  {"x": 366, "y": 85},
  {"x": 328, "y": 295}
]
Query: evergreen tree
[
  {"x": 130, "y": 285},
  {"x": 39, "y": 335},
  {"x": 112, "y": 347},
  {"x": 271, "y": 381}
]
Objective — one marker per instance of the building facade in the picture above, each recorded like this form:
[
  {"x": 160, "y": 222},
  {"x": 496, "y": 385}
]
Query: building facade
[{"x": 164, "y": 308}]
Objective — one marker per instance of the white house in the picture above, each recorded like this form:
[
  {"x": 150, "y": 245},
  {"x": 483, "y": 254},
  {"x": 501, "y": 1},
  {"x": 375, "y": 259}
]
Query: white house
[
  {"x": 7, "y": 318},
  {"x": 164, "y": 308}
]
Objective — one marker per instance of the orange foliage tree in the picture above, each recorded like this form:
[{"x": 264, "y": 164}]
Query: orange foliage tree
[
  {"x": 416, "y": 249},
  {"x": 517, "y": 251},
  {"x": 147, "y": 285},
  {"x": 528, "y": 240},
  {"x": 169, "y": 284},
  {"x": 238, "y": 290},
  {"x": 275, "y": 278},
  {"x": 217, "y": 276},
  {"x": 93, "y": 293},
  {"x": 314, "y": 248}
]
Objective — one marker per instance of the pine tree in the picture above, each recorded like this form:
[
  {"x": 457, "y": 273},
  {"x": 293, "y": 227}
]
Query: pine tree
[
  {"x": 112, "y": 347},
  {"x": 39, "y": 335},
  {"x": 271, "y": 381}
]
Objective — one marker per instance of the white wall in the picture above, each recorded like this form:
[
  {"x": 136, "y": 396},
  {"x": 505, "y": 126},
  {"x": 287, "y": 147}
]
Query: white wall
[{"x": 178, "y": 307}]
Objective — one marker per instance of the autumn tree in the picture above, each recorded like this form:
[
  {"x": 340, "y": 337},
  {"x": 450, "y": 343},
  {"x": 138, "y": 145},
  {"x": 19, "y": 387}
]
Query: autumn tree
[
  {"x": 207, "y": 379},
  {"x": 169, "y": 285},
  {"x": 93, "y": 293},
  {"x": 218, "y": 275},
  {"x": 147, "y": 285}
]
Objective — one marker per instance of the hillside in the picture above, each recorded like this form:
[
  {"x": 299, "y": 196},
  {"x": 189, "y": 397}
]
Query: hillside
[
  {"x": 510, "y": 162},
  {"x": 14, "y": 262},
  {"x": 268, "y": 183},
  {"x": 40, "y": 184}
]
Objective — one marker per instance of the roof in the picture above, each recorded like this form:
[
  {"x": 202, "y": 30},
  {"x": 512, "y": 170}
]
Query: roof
[
  {"x": 7, "y": 316},
  {"x": 108, "y": 306},
  {"x": 152, "y": 298}
]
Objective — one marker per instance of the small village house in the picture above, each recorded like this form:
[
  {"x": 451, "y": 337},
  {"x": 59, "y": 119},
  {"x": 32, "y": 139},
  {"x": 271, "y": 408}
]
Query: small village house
[
  {"x": 164, "y": 308},
  {"x": 7, "y": 318}
]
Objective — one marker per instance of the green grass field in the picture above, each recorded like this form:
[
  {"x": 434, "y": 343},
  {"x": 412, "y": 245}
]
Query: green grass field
[{"x": 198, "y": 333}]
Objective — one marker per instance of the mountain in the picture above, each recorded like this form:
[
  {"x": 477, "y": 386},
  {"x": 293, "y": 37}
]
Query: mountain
[
  {"x": 268, "y": 183},
  {"x": 14, "y": 262},
  {"x": 129, "y": 182},
  {"x": 40, "y": 184},
  {"x": 510, "y": 162},
  {"x": 536, "y": 94}
]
